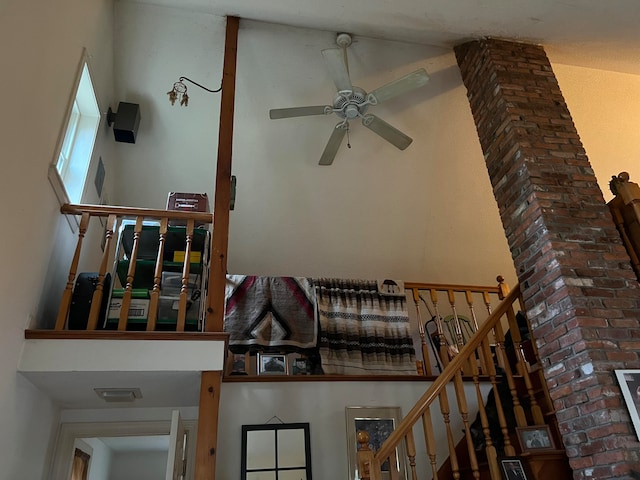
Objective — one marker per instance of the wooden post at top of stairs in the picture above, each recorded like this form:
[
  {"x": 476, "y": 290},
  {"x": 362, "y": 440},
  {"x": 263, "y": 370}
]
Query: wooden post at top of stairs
[
  {"x": 222, "y": 202},
  {"x": 207, "y": 439}
]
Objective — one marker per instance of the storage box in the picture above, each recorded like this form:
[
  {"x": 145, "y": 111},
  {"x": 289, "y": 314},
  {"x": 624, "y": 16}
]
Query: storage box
[
  {"x": 178, "y": 256},
  {"x": 187, "y": 202},
  {"x": 172, "y": 283},
  {"x": 168, "y": 312},
  {"x": 138, "y": 308}
]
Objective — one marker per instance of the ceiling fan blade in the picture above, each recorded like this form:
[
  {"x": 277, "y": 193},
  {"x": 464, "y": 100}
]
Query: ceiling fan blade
[
  {"x": 333, "y": 144},
  {"x": 337, "y": 64},
  {"x": 401, "y": 85},
  {"x": 298, "y": 111},
  {"x": 386, "y": 131}
]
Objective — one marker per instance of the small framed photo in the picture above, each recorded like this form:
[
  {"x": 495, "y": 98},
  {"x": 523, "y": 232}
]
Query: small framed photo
[
  {"x": 513, "y": 468},
  {"x": 629, "y": 381},
  {"x": 272, "y": 364},
  {"x": 535, "y": 438},
  {"x": 378, "y": 422},
  {"x": 301, "y": 366},
  {"x": 239, "y": 364}
]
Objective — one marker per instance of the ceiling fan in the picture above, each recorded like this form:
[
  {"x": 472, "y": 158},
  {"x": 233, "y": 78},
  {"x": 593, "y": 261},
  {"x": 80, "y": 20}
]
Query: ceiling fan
[{"x": 351, "y": 102}]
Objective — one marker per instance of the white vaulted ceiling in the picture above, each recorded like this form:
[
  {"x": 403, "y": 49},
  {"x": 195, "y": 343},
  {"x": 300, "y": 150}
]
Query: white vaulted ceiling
[{"x": 590, "y": 33}]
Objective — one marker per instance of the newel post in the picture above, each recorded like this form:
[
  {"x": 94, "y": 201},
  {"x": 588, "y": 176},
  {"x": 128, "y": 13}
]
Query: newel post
[{"x": 365, "y": 458}]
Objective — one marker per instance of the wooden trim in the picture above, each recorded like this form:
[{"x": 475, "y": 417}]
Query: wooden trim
[
  {"x": 106, "y": 210},
  {"x": 454, "y": 288},
  {"x": 116, "y": 335},
  {"x": 207, "y": 439},
  {"x": 339, "y": 378},
  {"x": 222, "y": 202}
]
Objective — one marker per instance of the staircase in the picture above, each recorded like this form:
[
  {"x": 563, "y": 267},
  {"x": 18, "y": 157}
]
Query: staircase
[{"x": 496, "y": 354}]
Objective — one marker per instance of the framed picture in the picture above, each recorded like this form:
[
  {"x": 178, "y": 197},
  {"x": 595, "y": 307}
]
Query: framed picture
[
  {"x": 378, "y": 422},
  {"x": 512, "y": 468},
  {"x": 629, "y": 381},
  {"x": 272, "y": 364},
  {"x": 301, "y": 366},
  {"x": 239, "y": 363},
  {"x": 535, "y": 438}
]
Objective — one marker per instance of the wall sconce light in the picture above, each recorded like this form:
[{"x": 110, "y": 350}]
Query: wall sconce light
[
  {"x": 126, "y": 122},
  {"x": 179, "y": 91}
]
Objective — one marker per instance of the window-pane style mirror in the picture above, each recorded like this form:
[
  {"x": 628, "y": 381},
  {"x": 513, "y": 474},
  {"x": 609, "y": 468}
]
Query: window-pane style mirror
[{"x": 276, "y": 452}]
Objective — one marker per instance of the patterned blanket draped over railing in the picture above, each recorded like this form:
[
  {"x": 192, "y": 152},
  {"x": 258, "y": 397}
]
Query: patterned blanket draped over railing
[
  {"x": 358, "y": 327},
  {"x": 270, "y": 312},
  {"x": 363, "y": 331}
]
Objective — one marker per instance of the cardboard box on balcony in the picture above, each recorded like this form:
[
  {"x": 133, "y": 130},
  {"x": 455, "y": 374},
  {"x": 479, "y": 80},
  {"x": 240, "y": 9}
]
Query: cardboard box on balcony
[
  {"x": 187, "y": 202},
  {"x": 138, "y": 308}
]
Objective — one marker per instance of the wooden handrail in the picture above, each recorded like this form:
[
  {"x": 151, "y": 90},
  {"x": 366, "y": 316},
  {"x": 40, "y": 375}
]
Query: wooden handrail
[
  {"x": 454, "y": 368},
  {"x": 126, "y": 212},
  {"x": 458, "y": 300}
]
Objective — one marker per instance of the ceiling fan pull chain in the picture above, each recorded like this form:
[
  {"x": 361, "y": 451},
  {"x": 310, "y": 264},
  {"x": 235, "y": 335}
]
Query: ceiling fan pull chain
[{"x": 348, "y": 139}]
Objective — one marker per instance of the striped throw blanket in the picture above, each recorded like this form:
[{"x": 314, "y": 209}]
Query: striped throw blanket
[{"x": 363, "y": 331}]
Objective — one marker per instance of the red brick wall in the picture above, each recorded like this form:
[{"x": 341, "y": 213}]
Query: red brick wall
[{"x": 582, "y": 298}]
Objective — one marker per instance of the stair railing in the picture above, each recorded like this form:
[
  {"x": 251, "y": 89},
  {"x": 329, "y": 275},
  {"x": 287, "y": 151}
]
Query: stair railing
[
  {"x": 476, "y": 353},
  {"x": 454, "y": 313}
]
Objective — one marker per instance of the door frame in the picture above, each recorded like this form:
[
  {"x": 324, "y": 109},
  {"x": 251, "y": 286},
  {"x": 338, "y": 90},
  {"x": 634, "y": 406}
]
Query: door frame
[{"x": 69, "y": 432}]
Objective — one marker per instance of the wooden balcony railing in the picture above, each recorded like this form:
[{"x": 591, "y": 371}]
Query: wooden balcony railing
[
  {"x": 138, "y": 220},
  {"x": 447, "y": 317},
  {"x": 478, "y": 352}
]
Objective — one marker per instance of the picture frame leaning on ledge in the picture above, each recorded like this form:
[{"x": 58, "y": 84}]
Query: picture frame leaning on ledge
[{"x": 378, "y": 422}]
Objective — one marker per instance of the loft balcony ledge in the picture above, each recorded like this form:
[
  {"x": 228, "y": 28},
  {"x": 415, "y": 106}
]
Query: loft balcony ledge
[{"x": 68, "y": 366}]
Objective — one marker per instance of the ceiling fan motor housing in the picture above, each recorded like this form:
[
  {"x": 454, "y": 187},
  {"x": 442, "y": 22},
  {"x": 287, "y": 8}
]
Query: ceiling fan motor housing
[{"x": 350, "y": 104}]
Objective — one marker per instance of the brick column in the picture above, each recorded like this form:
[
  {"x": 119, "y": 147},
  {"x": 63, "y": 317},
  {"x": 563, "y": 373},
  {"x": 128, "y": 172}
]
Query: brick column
[{"x": 582, "y": 298}]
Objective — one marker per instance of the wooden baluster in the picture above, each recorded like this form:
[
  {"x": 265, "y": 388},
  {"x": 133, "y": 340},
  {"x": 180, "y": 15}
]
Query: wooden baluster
[
  {"x": 456, "y": 321},
  {"x": 521, "y": 367},
  {"x": 446, "y": 416},
  {"x": 411, "y": 454},
  {"x": 184, "y": 290},
  {"x": 444, "y": 350},
  {"x": 430, "y": 441},
  {"x": 490, "y": 449},
  {"x": 458, "y": 330},
  {"x": 463, "y": 409},
  {"x": 517, "y": 408},
  {"x": 393, "y": 465},
  {"x": 157, "y": 277},
  {"x": 96, "y": 301},
  {"x": 426, "y": 361},
  {"x": 126, "y": 297},
  {"x": 469, "y": 297},
  {"x": 65, "y": 303}
]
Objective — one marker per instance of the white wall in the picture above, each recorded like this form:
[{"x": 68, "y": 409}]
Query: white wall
[
  {"x": 100, "y": 463},
  {"x": 40, "y": 46},
  {"x": 322, "y": 405},
  {"x": 604, "y": 107},
  {"x": 138, "y": 465},
  {"x": 425, "y": 214}
]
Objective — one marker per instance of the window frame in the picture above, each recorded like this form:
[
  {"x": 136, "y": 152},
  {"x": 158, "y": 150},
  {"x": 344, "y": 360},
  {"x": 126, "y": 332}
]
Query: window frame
[{"x": 87, "y": 125}]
